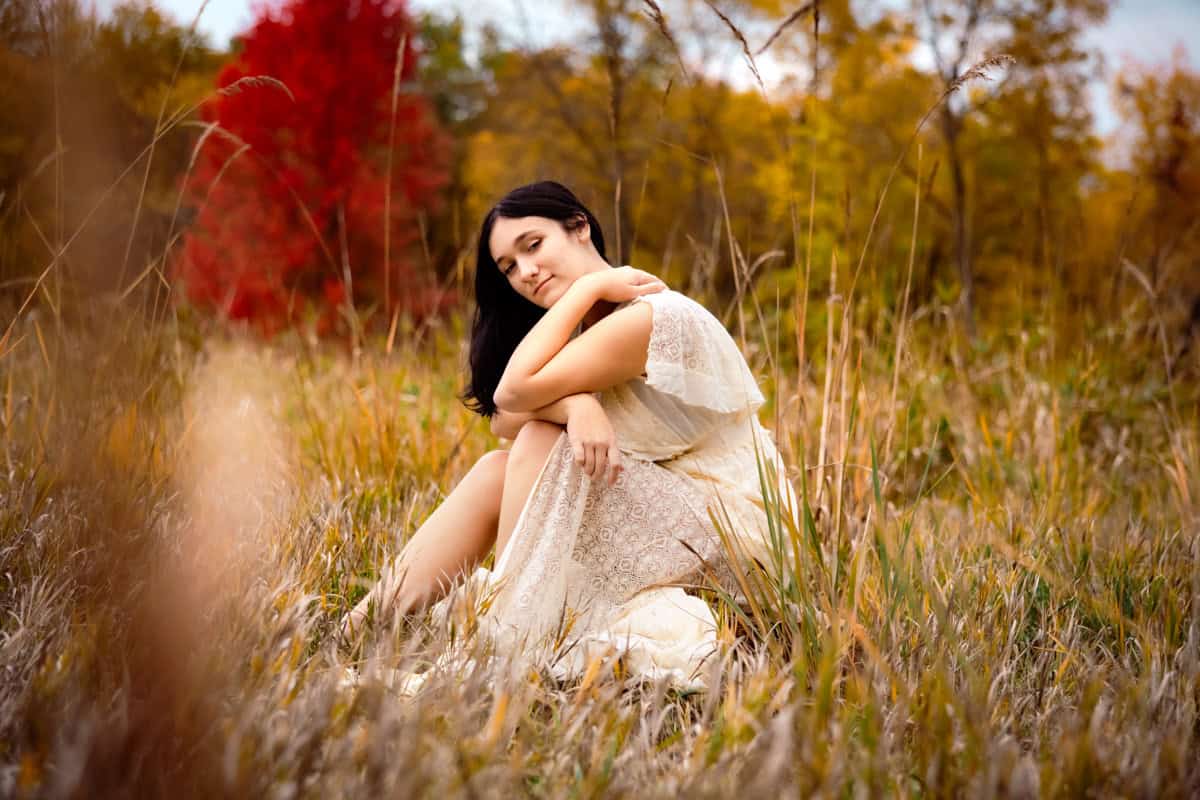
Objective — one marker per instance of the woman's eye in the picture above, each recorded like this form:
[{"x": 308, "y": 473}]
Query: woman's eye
[
  {"x": 508, "y": 269},
  {"x": 533, "y": 245}
]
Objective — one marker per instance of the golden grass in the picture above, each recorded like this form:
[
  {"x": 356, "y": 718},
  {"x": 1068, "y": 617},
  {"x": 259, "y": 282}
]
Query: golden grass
[{"x": 1003, "y": 602}]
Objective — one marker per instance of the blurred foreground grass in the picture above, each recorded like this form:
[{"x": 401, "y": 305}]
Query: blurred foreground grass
[{"x": 994, "y": 592}]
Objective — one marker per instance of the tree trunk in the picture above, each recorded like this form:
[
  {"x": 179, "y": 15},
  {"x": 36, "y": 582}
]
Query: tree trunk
[
  {"x": 609, "y": 20},
  {"x": 962, "y": 242}
]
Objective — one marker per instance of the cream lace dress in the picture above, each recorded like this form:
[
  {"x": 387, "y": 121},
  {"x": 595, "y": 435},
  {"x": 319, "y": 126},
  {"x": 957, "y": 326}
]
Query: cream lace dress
[{"x": 597, "y": 563}]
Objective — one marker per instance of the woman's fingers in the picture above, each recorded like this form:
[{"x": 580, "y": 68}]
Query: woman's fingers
[
  {"x": 600, "y": 461},
  {"x": 647, "y": 283},
  {"x": 615, "y": 465},
  {"x": 600, "y": 464}
]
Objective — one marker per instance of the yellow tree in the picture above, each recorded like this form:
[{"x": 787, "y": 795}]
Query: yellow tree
[
  {"x": 1045, "y": 86},
  {"x": 575, "y": 112},
  {"x": 1162, "y": 250},
  {"x": 670, "y": 159},
  {"x": 854, "y": 118}
]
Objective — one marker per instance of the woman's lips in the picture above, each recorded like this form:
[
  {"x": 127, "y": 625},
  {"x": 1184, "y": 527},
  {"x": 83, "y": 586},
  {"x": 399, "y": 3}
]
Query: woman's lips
[{"x": 543, "y": 283}]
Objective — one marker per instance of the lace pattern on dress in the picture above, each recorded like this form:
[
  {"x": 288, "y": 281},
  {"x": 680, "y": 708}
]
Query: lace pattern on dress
[
  {"x": 587, "y": 563},
  {"x": 692, "y": 357},
  {"x": 587, "y": 547}
]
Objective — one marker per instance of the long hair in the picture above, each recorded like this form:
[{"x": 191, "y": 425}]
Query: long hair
[{"x": 502, "y": 316}]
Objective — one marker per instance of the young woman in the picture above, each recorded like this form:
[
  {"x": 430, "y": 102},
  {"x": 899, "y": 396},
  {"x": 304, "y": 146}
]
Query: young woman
[{"x": 632, "y": 415}]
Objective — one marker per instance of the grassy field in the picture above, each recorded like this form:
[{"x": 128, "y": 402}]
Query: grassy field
[{"x": 994, "y": 593}]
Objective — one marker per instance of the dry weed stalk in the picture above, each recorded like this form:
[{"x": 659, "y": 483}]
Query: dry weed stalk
[
  {"x": 803, "y": 11},
  {"x": 749, "y": 56},
  {"x": 660, "y": 21},
  {"x": 255, "y": 82},
  {"x": 189, "y": 37}
]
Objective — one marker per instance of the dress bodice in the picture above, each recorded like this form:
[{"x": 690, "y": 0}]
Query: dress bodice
[{"x": 695, "y": 412}]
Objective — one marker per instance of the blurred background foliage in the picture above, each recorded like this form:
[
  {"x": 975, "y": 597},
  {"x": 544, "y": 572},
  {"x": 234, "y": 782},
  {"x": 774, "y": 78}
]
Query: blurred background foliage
[
  {"x": 1024, "y": 211},
  {"x": 80, "y": 97},
  {"x": 315, "y": 173}
]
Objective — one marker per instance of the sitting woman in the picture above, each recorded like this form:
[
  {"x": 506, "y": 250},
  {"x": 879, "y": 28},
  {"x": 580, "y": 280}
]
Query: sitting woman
[{"x": 633, "y": 419}]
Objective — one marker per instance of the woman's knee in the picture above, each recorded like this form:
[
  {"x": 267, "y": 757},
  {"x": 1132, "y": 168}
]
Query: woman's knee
[
  {"x": 484, "y": 483},
  {"x": 534, "y": 441},
  {"x": 491, "y": 466}
]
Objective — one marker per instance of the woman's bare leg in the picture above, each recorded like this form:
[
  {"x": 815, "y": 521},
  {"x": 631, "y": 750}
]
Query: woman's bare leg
[
  {"x": 481, "y": 510},
  {"x": 455, "y": 537},
  {"x": 529, "y": 452}
]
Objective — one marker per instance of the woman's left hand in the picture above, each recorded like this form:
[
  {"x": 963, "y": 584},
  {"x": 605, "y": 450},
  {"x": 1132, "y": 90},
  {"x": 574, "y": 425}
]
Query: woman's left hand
[
  {"x": 619, "y": 284},
  {"x": 593, "y": 440}
]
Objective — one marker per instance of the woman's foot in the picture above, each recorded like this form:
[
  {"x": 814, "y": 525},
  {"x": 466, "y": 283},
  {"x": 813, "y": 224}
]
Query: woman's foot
[{"x": 357, "y": 620}]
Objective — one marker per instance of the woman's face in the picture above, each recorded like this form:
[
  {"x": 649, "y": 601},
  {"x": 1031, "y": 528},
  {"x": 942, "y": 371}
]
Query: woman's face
[{"x": 539, "y": 257}]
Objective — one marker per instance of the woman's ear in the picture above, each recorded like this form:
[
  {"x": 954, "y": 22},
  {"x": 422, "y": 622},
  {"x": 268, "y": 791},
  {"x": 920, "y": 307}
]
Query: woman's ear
[{"x": 583, "y": 230}]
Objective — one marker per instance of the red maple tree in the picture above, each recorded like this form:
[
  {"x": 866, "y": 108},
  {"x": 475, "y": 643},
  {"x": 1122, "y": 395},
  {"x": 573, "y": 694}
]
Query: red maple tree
[{"x": 290, "y": 184}]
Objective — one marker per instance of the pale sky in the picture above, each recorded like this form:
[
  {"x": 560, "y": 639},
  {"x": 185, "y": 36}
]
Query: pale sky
[{"x": 1142, "y": 30}]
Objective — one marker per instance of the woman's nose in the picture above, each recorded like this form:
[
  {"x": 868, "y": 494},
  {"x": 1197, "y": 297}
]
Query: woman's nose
[{"x": 527, "y": 268}]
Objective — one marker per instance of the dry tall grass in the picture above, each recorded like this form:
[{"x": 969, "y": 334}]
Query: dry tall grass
[{"x": 1004, "y": 602}]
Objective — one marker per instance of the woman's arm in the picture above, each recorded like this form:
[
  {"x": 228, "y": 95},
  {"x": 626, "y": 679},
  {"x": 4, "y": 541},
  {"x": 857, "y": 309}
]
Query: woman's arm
[
  {"x": 506, "y": 424},
  {"x": 548, "y": 364},
  {"x": 593, "y": 441}
]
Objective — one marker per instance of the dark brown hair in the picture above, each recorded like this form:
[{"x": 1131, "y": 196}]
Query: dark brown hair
[{"x": 502, "y": 315}]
